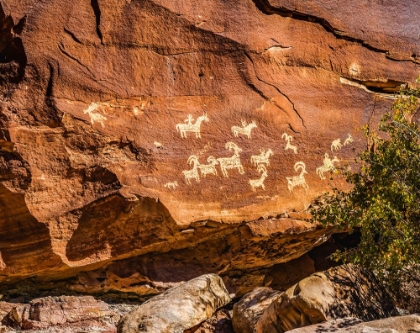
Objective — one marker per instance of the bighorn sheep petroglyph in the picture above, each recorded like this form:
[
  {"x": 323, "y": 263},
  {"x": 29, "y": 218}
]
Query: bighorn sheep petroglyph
[
  {"x": 348, "y": 140},
  {"x": 299, "y": 180},
  {"x": 209, "y": 169},
  {"x": 193, "y": 173},
  {"x": 289, "y": 139},
  {"x": 255, "y": 183},
  {"x": 233, "y": 162}
]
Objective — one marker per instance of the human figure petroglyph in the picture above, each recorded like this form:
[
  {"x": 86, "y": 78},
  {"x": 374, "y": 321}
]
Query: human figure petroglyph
[
  {"x": 289, "y": 139},
  {"x": 209, "y": 169},
  {"x": 193, "y": 173},
  {"x": 336, "y": 145},
  {"x": 245, "y": 129},
  {"x": 299, "y": 180},
  {"x": 262, "y": 158},
  {"x": 233, "y": 162},
  {"x": 95, "y": 116},
  {"x": 348, "y": 140},
  {"x": 328, "y": 165},
  {"x": 190, "y": 127},
  {"x": 171, "y": 185},
  {"x": 255, "y": 183}
]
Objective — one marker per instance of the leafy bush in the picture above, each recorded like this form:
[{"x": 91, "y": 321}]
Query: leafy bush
[{"x": 384, "y": 200}]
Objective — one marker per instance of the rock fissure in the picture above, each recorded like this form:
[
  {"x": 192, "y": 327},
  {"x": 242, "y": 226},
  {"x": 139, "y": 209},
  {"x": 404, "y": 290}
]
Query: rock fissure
[{"x": 265, "y": 7}]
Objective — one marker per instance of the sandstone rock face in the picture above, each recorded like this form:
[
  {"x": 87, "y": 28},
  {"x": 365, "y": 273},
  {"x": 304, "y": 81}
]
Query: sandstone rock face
[
  {"x": 179, "y": 308},
  {"x": 125, "y": 122},
  {"x": 61, "y": 314},
  {"x": 250, "y": 308},
  {"x": 401, "y": 324},
  {"x": 339, "y": 292}
]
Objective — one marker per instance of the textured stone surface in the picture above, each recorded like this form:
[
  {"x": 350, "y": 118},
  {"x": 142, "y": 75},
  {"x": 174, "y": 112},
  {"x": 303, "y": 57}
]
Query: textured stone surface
[
  {"x": 179, "y": 308},
  {"x": 339, "y": 292},
  {"x": 63, "y": 314},
  {"x": 250, "y": 308},
  {"x": 401, "y": 324},
  {"x": 95, "y": 164}
]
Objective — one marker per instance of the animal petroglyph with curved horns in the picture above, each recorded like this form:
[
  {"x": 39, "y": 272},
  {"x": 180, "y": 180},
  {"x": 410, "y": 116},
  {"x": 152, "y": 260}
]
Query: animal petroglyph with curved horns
[
  {"x": 193, "y": 173},
  {"x": 299, "y": 180},
  {"x": 190, "y": 127},
  {"x": 255, "y": 183},
  {"x": 233, "y": 162},
  {"x": 348, "y": 140},
  {"x": 245, "y": 129},
  {"x": 289, "y": 139}
]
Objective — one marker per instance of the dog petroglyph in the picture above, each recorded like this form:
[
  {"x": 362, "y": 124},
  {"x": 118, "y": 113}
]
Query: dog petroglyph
[
  {"x": 262, "y": 158},
  {"x": 328, "y": 166},
  {"x": 348, "y": 140},
  {"x": 336, "y": 145},
  {"x": 299, "y": 180},
  {"x": 190, "y": 127},
  {"x": 289, "y": 139},
  {"x": 171, "y": 185},
  {"x": 233, "y": 162},
  {"x": 245, "y": 129},
  {"x": 209, "y": 169},
  {"x": 255, "y": 183}
]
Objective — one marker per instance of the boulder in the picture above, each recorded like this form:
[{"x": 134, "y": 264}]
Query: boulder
[
  {"x": 401, "y": 324},
  {"x": 249, "y": 309},
  {"x": 179, "y": 308},
  {"x": 344, "y": 291}
]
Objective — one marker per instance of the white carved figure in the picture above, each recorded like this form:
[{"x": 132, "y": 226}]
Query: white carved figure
[
  {"x": 193, "y": 173},
  {"x": 255, "y": 183},
  {"x": 190, "y": 127},
  {"x": 233, "y": 162},
  {"x": 95, "y": 116},
  {"x": 245, "y": 129},
  {"x": 328, "y": 165},
  {"x": 171, "y": 185},
  {"x": 262, "y": 158},
  {"x": 209, "y": 169},
  {"x": 336, "y": 145},
  {"x": 158, "y": 145},
  {"x": 299, "y": 180},
  {"x": 289, "y": 139},
  {"x": 348, "y": 140}
]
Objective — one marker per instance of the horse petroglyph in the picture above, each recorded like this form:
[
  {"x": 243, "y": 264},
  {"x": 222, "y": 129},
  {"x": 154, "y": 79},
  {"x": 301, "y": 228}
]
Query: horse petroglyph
[
  {"x": 245, "y": 129},
  {"x": 209, "y": 169},
  {"x": 255, "y": 183},
  {"x": 233, "y": 162},
  {"x": 193, "y": 173},
  {"x": 262, "y": 158},
  {"x": 328, "y": 166},
  {"x": 289, "y": 139},
  {"x": 299, "y": 180},
  {"x": 95, "y": 116},
  {"x": 348, "y": 140},
  {"x": 171, "y": 185},
  {"x": 336, "y": 145},
  {"x": 190, "y": 127}
]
